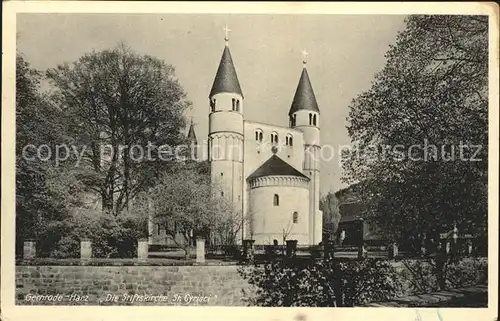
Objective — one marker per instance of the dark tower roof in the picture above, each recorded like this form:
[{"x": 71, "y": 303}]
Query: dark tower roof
[
  {"x": 226, "y": 80},
  {"x": 304, "y": 98},
  {"x": 275, "y": 166},
  {"x": 191, "y": 134}
]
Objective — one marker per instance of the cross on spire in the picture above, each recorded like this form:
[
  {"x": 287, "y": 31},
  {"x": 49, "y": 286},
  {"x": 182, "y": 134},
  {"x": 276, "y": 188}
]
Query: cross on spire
[
  {"x": 304, "y": 57},
  {"x": 226, "y": 30}
]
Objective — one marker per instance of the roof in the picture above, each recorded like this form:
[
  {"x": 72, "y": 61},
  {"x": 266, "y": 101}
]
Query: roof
[
  {"x": 191, "y": 134},
  {"x": 226, "y": 80},
  {"x": 304, "y": 98},
  {"x": 275, "y": 166}
]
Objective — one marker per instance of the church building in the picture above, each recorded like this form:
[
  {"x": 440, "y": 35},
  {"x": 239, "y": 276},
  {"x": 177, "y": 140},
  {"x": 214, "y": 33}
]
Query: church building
[{"x": 270, "y": 173}]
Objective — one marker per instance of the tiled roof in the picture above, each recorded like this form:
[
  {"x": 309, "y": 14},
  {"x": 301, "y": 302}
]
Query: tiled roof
[
  {"x": 275, "y": 166},
  {"x": 304, "y": 98},
  {"x": 226, "y": 80}
]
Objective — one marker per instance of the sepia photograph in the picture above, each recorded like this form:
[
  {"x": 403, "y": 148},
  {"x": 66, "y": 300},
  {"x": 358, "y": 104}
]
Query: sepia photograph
[{"x": 252, "y": 160}]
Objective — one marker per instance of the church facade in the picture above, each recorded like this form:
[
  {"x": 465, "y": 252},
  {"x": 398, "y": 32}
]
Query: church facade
[{"x": 270, "y": 173}]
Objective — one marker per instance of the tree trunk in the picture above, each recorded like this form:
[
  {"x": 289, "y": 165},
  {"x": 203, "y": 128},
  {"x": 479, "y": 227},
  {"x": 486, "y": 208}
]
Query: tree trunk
[{"x": 441, "y": 271}]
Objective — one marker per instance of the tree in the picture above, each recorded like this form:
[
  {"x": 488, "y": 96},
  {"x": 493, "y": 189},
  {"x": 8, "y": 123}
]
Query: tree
[
  {"x": 185, "y": 199},
  {"x": 331, "y": 214},
  {"x": 409, "y": 130},
  {"x": 123, "y": 109},
  {"x": 45, "y": 191}
]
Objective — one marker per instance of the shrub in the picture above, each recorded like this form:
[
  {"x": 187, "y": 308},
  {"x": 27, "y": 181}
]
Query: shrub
[
  {"x": 321, "y": 283},
  {"x": 420, "y": 276},
  {"x": 111, "y": 236},
  {"x": 467, "y": 272}
]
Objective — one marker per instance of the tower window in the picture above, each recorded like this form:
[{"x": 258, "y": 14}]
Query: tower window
[
  {"x": 212, "y": 105},
  {"x": 310, "y": 119},
  {"x": 158, "y": 230},
  {"x": 295, "y": 217},
  {"x": 234, "y": 104},
  {"x": 295, "y": 120},
  {"x": 314, "y": 120},
  {"x": 238, "y": 105},
  {"x": 289, "y": 140},
  {"x": 221, "y": 193},
  {"x": 221, "y": 174},
  {"x": 276, "y": 200}
]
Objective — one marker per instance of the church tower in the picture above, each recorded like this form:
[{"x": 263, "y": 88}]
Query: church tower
[
  {"x": 193, "y": 142},
  {"x": 225, "y": 134},
  {"x": 304, "y": 116}
]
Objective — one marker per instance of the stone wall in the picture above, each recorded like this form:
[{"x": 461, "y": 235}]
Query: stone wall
[{"x": 116, "y": 285}]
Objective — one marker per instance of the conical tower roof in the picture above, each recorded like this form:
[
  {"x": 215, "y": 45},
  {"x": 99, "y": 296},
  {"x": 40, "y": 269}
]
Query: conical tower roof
[
  {"x": 226, "y": 80},
  {"x": 191, "y": 134},
  {"x": 304, "y": 98},
  {"x": 275, "y": 166}
]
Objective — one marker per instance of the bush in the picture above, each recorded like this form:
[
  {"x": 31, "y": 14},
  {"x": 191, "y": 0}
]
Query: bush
[
  {"x": 420, "y": 276},
  {"x": 111, "y": 236},
  {"x": 321, "y": 283},
  {"x": 467, "y": 272}
]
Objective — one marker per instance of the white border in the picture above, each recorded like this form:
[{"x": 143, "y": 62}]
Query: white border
[{"x": 11, "y": 312}]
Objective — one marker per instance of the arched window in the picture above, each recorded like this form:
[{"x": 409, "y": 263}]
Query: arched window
[
  {"x": 274, "y": 138},
  {"x": 310, "y": 119},
  {"x": 258, "y": 135},
  {"x": 314, "y": 120},
  {"x": 158, "y": 230},
  {"x": 295, "y": 120},
  {"x": 238, "y": 105},
  {"x": 276, "y": 200},
  {"x": 295, "y": 217},
  {"x": 261, "y": 136},
  {"x": 234, "y": 104},
  {"x": 286, "y": 140},
  {"x": 289, "y": 140}
]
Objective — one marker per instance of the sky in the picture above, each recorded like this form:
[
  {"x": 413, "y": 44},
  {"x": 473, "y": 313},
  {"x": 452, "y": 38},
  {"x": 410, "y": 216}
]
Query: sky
[{"x": 344, "y": 53}]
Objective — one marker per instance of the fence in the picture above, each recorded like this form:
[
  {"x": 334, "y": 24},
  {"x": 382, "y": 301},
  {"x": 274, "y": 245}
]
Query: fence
[{"x": 465, "y": 246}]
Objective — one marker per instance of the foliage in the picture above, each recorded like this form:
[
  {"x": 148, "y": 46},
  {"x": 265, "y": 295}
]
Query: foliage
[
  {"x": 331, "y": 214},
  {"x": 321, "y": 283},
  {"x": 122, "y": 108},
  {"x": 185, "y": 195},
  {"x": 467, "y": 272},
  {"x": 111, "y": 236},
  {"x": 422, "y": 275},
  {"x": 432, "y": 92},
  {"x": 44, "y": 191},
  {"x": 100, "y": 107}
]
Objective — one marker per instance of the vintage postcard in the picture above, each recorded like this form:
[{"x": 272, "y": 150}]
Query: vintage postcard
[{"x": 214, "y": 160}]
